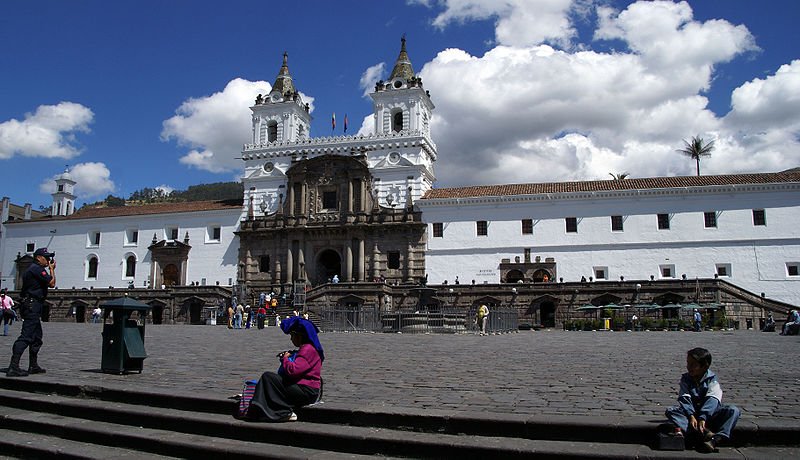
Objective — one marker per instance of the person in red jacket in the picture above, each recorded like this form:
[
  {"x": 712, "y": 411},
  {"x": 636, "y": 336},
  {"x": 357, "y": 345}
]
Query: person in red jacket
[{"x": 298, "y": 381}]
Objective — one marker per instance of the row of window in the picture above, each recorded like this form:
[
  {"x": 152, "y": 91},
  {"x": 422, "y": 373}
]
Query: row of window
[
  {"x": 617, "y": 223},
  {"x": 720, "y": 270},
  {"x": 213, "y": 235},
  {"x": 93, "y": 263}
]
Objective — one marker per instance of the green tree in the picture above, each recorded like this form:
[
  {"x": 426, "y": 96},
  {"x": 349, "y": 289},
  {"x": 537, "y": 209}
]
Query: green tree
[
  {"x": 696, "y": 149},
  {"x": 114, "y": 201},
  {"x": 619, "y": 176}
]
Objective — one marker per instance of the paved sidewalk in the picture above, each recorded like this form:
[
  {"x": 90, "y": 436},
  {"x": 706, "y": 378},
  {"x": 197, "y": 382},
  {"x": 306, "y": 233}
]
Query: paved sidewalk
[{"x": 531, "y": 373}]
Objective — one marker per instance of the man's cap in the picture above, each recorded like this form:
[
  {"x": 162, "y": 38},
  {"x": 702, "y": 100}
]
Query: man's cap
[{"x": 43, "y": 252}]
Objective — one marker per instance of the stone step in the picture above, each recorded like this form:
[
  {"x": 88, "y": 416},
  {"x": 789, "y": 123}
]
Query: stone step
[
  {"x": 23, "y": 444},
  {"x": 616, "y": 429},
  {"x": 74, "y": 437},
  {"x": 185, "y": 433}
]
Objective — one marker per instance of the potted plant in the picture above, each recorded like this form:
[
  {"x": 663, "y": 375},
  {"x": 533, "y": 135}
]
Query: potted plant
[
  {"x": 662, "y": 324},
  {"x": 647, "y": 323}
]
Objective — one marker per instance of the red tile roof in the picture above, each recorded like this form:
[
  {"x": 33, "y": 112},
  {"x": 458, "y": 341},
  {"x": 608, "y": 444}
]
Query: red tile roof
[
  {"x": 609, "y": 185},
  {"x": 148, "y": 209}
]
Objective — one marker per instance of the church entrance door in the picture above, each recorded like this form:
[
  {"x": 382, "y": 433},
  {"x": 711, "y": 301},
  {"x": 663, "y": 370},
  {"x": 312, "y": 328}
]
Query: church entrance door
[
  {"x": 171, "y": 275},
  {"x": 328, "y": 264}
]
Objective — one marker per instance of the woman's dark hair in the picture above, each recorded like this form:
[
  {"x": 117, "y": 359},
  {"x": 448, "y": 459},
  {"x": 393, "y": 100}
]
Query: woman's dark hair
[
  {"x": 301, "y": 331},
  {"x": 701, "y": 355}
]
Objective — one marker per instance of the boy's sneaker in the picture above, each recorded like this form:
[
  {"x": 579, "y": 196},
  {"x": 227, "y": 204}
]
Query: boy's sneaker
[
  {"x": 291, "y": 418},
  {"x": 710, "y": 446},
  {"x": 708, "y": 434}
]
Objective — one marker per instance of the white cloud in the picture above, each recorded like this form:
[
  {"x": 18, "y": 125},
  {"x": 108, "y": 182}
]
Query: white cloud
[
  {"x": 165, "y": 188},
  {"x": 773, "y": 102},
  {"x": 517, "y": 22},
  {"x": 215, "y": 127},
  {"x": 371, "y": 76},
  {"x": 49, "y": 132},
  {"x": 535, "y": 113},
  {"x": 671, "y": 43},
  {"x": 93, "y": 180}
]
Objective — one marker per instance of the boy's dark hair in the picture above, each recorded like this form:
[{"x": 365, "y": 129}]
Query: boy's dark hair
[{"x": 701, "y": 355}]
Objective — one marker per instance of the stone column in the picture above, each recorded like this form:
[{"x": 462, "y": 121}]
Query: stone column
[
  {"x": 408, "y": 269},
  {"x": 290, "y": 198},
  {"x": 350, "y": 196},
  {"x": 360, "y": 261},
  {"x": 375, "y": 265},
  {"x": 303, "y": 199},
  {"x": 289, "y": 264},
  {"x": 348, "y": 262}
]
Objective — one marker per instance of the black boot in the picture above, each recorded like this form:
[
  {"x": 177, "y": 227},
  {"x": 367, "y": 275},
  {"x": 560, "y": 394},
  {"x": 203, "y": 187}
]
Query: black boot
[
  {"x": 34, "y": 365},
  {"x": 13, "y": 368}
]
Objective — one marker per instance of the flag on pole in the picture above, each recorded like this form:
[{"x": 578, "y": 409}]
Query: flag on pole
[
  {"x": 333, "y": 121},
  {"x": 345, "y": 123}
]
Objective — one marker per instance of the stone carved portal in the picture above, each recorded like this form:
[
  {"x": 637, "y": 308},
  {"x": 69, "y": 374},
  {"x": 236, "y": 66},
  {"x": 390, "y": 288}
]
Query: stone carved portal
[
  {"x": 169, "y": 262},
  {"x": 327, "y": 224}
]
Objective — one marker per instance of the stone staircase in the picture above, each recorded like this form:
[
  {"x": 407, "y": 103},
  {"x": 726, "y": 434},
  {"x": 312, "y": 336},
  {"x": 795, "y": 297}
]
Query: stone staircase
[{"x": 40, "y": 419}]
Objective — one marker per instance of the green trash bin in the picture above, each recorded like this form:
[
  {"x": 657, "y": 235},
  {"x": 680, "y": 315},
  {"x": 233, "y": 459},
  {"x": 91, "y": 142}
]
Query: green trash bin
[{"x": 123, "y": 337}]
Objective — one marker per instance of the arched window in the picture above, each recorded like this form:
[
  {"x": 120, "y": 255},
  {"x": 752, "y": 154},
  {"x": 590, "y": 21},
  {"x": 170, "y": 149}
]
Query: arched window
[
  {"x": 91, "y": 271},
  {"x": 130, "y": 266},
  {"x": 397, "y": 121},
  {"x": 272, "y": 131}
]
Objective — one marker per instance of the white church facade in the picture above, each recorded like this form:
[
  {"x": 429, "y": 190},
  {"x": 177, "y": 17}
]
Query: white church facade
[{"x": 365, "y": 208}]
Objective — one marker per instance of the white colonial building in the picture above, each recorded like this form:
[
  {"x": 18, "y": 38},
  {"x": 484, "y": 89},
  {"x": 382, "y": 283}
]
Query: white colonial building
[{"x": 742, "y": 228}]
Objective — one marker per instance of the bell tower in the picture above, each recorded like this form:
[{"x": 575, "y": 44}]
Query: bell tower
[
  {"x": 64, "y": 198},
  {"x": 281, "y": 115},
  {"x": 401, "y": 105}
]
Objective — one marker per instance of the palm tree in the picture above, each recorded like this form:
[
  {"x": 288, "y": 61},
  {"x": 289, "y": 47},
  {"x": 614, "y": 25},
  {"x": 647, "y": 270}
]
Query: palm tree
[
  {"x": 619, "y": 176},
  {"x": 696, "y": 148}
]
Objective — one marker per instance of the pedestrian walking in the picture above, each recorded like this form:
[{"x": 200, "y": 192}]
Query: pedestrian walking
[
  {"x": 698, "y": 321},
  {"x": 96, "y": 313},
  {"x": 35, "y": 282},
  {"x": 7, "y": 304}
]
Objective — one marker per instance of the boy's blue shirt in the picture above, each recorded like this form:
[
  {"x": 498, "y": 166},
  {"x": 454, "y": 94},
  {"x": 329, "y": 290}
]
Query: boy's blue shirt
[{"x": 701, "y": 400}]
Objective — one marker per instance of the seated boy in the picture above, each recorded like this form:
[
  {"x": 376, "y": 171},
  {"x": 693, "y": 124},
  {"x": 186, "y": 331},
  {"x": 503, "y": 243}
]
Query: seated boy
[{"x": 700, "y": 407}]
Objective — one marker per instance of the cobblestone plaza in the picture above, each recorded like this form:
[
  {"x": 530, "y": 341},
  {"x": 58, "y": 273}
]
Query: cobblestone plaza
[{"x": 542, "y": 372}]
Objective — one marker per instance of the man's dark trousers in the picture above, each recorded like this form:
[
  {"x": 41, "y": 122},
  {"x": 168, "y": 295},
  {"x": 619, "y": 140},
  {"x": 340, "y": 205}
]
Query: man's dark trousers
[{"x": 31, "y": 335}]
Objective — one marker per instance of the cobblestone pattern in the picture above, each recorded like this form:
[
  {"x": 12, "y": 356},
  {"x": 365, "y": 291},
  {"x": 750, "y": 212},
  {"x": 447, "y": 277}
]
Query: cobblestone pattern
[{"x": 543, "y": 372}]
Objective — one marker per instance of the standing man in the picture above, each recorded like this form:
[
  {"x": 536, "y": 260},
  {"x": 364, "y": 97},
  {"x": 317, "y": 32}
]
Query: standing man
[
  {"x": 7, "y": 306},
  {"x": 35, "y": 282},
  {"x": 483, "y": 317},
  {"x": 698, "y": 321}
]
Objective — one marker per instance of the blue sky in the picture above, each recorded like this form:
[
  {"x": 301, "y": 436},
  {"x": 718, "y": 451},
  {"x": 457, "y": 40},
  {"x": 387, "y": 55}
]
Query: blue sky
[{"x": 156, "y": 93}]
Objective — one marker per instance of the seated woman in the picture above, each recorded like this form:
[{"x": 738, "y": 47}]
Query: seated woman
[{"x": 298, "y": 381}]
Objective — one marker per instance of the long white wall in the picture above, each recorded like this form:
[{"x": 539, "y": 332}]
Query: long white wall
[
  {"x": 71, "y": 239},
  {"x": 755, "y": 257}
]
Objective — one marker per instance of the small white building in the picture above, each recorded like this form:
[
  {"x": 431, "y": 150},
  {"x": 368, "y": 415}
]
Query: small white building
[
  {"x": 141, "y": 246},
  {"x": 743, "y": 228}
]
